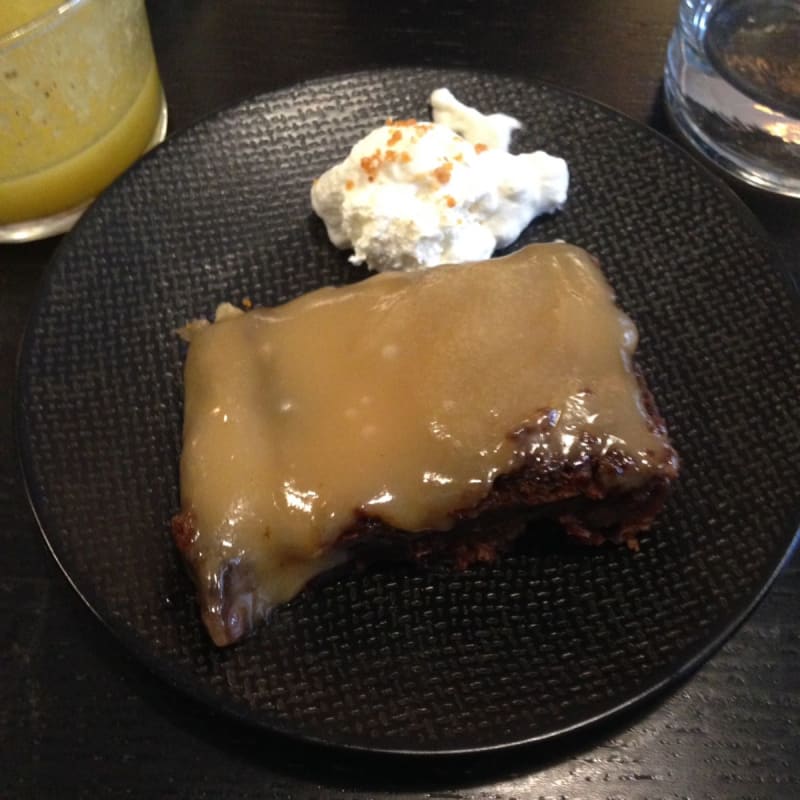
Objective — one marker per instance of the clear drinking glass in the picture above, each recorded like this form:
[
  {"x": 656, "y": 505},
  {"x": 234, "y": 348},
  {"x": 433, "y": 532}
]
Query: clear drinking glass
[
  {"x": 80, "y": 101},
  {"x": 732, "y": 86}
]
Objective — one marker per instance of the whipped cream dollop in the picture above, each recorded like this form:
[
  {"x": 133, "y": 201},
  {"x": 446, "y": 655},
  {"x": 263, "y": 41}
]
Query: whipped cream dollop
[{"x": 417, "y": 194}]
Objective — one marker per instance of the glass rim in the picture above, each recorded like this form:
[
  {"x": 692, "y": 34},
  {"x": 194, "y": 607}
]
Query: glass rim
[{"x": 15, "y": 35}]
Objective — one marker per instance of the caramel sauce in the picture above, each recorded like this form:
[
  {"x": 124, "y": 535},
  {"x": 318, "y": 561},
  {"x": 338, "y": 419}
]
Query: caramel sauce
[{"x": 401, "y": 397}]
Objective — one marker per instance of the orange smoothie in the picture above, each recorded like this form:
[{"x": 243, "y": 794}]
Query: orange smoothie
[
  {"x": 80, "y": 100},
  {"x": 14, "y": 13}
]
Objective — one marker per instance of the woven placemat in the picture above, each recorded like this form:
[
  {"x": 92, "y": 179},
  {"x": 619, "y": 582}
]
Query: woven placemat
[{"x": 551, "y": 636}]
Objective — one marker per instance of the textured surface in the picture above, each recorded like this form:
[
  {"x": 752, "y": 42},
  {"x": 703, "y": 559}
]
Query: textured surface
[{"x": 396, "y": 659}]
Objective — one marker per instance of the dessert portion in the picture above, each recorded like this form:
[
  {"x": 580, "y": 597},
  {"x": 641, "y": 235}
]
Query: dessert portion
[
  {"x": 419, "y": 412},
  {"x": 492, "y": 130},
  {"x": 419, "y": 194}
]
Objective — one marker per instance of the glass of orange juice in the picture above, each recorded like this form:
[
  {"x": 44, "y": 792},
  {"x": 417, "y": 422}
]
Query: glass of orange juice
[{"x": 80, "y": 101}]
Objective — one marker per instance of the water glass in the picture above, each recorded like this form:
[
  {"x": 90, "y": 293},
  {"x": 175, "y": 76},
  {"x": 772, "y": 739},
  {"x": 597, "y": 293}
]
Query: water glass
[{"x": 732, "y": 87}]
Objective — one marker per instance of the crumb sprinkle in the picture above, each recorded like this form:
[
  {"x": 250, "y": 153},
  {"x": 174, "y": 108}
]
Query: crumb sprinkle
[
  {"x": 371, "y": 164},
  {"x": 442, "y": 174}
]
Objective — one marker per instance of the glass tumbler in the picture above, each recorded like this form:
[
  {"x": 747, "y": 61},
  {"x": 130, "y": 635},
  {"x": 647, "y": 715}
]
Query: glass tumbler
[
  {"x": 80, "y": 101},
  {"x": 732, "y": 87}
]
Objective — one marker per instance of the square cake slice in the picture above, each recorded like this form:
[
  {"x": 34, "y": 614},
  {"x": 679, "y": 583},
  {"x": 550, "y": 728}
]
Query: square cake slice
[{"x": 413, "y": 413}]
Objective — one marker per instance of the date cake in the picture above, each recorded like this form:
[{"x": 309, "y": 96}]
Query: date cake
[{"x": 430, "y": 412}]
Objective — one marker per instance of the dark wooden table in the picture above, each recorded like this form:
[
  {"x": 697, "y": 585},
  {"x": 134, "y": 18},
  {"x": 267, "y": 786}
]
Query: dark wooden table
[{"x": 80, "y": 718}]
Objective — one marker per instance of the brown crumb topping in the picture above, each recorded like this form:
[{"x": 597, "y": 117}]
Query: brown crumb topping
[
  {"x": 450, "y": 200},
  {"x": 348, "y": 184},
  {"x": 247, "y": 303},
  {"x": 480, "y": 148},
  {"x": 442, "y": 174},
  {"x": 394, "y": 138},
  {"x": 371, "y": 164}
]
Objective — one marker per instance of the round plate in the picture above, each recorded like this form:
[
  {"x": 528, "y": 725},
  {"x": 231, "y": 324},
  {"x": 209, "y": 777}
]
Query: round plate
[{"x": 551, "y": 637}]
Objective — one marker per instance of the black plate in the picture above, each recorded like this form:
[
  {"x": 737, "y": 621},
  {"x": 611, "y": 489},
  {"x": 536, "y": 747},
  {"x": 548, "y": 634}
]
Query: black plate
[{"x": 550, "y": 638}]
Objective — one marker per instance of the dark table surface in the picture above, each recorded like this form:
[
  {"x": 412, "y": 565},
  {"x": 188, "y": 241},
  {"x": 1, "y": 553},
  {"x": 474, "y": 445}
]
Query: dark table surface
[{"x": 80, "y": 718}]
